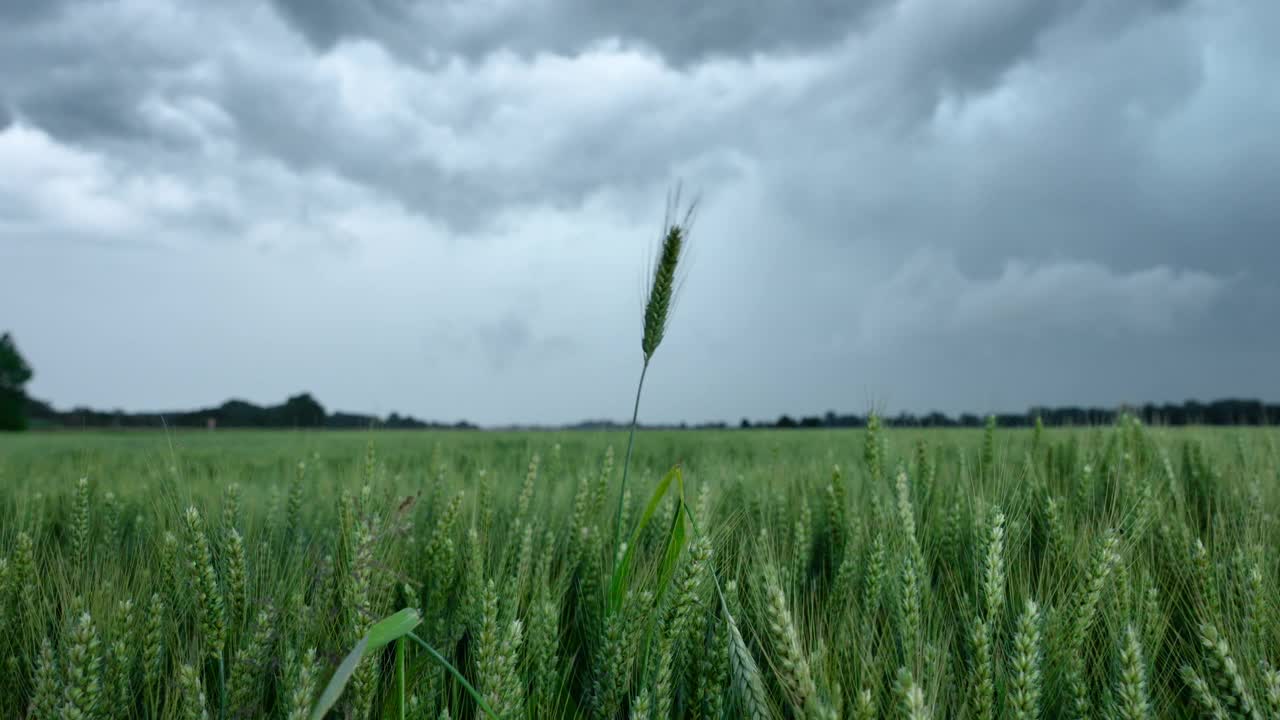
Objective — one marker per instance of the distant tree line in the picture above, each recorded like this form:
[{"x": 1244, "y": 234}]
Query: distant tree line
[
  {"x": 303, "y": 411},
  {"x": 1218, "y": 412},
  {"x": 18, "y": 411},
  {"x": 299, "y": 411}
]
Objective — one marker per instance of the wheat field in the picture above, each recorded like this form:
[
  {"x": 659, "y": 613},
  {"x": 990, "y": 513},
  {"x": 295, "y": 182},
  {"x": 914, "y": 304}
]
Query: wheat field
[{"x": 1120, "y": 572}]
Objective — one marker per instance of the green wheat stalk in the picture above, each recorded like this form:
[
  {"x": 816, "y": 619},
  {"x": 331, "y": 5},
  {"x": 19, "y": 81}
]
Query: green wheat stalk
[{"x": 657, "y": 313}]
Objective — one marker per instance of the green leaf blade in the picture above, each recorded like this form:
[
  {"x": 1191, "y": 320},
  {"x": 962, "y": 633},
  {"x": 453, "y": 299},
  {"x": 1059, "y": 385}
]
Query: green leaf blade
[{"x": 383, "y": 633}]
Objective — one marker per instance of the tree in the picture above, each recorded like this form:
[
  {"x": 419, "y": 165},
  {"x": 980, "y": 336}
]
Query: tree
[
  {"x": 301, "y": 411},
  {"x": 14, "y": 374}
]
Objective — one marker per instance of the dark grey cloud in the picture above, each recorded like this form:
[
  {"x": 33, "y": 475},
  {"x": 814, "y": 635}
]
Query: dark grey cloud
[
  {"x": 25, "y": 11},
  {"x": 965, "y": 50},
  {"x": 978, "y": 206},
  {"x": 682, "y": 32}
]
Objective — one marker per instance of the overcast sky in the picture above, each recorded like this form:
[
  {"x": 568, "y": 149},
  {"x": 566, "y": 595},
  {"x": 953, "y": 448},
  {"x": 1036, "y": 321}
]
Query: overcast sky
[{"x": 446, "y": 208}]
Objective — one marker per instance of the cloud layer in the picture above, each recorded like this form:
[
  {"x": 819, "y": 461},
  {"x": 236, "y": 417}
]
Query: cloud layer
[{"x": 445, "y": 208}]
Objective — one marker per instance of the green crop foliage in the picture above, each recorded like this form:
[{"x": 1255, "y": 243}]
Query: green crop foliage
[{"x": 1007, "y": 589}]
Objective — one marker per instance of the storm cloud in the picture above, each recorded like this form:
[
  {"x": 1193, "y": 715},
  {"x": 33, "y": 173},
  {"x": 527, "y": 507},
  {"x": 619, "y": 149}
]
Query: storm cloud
[{"x": 446, "y": 208}]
